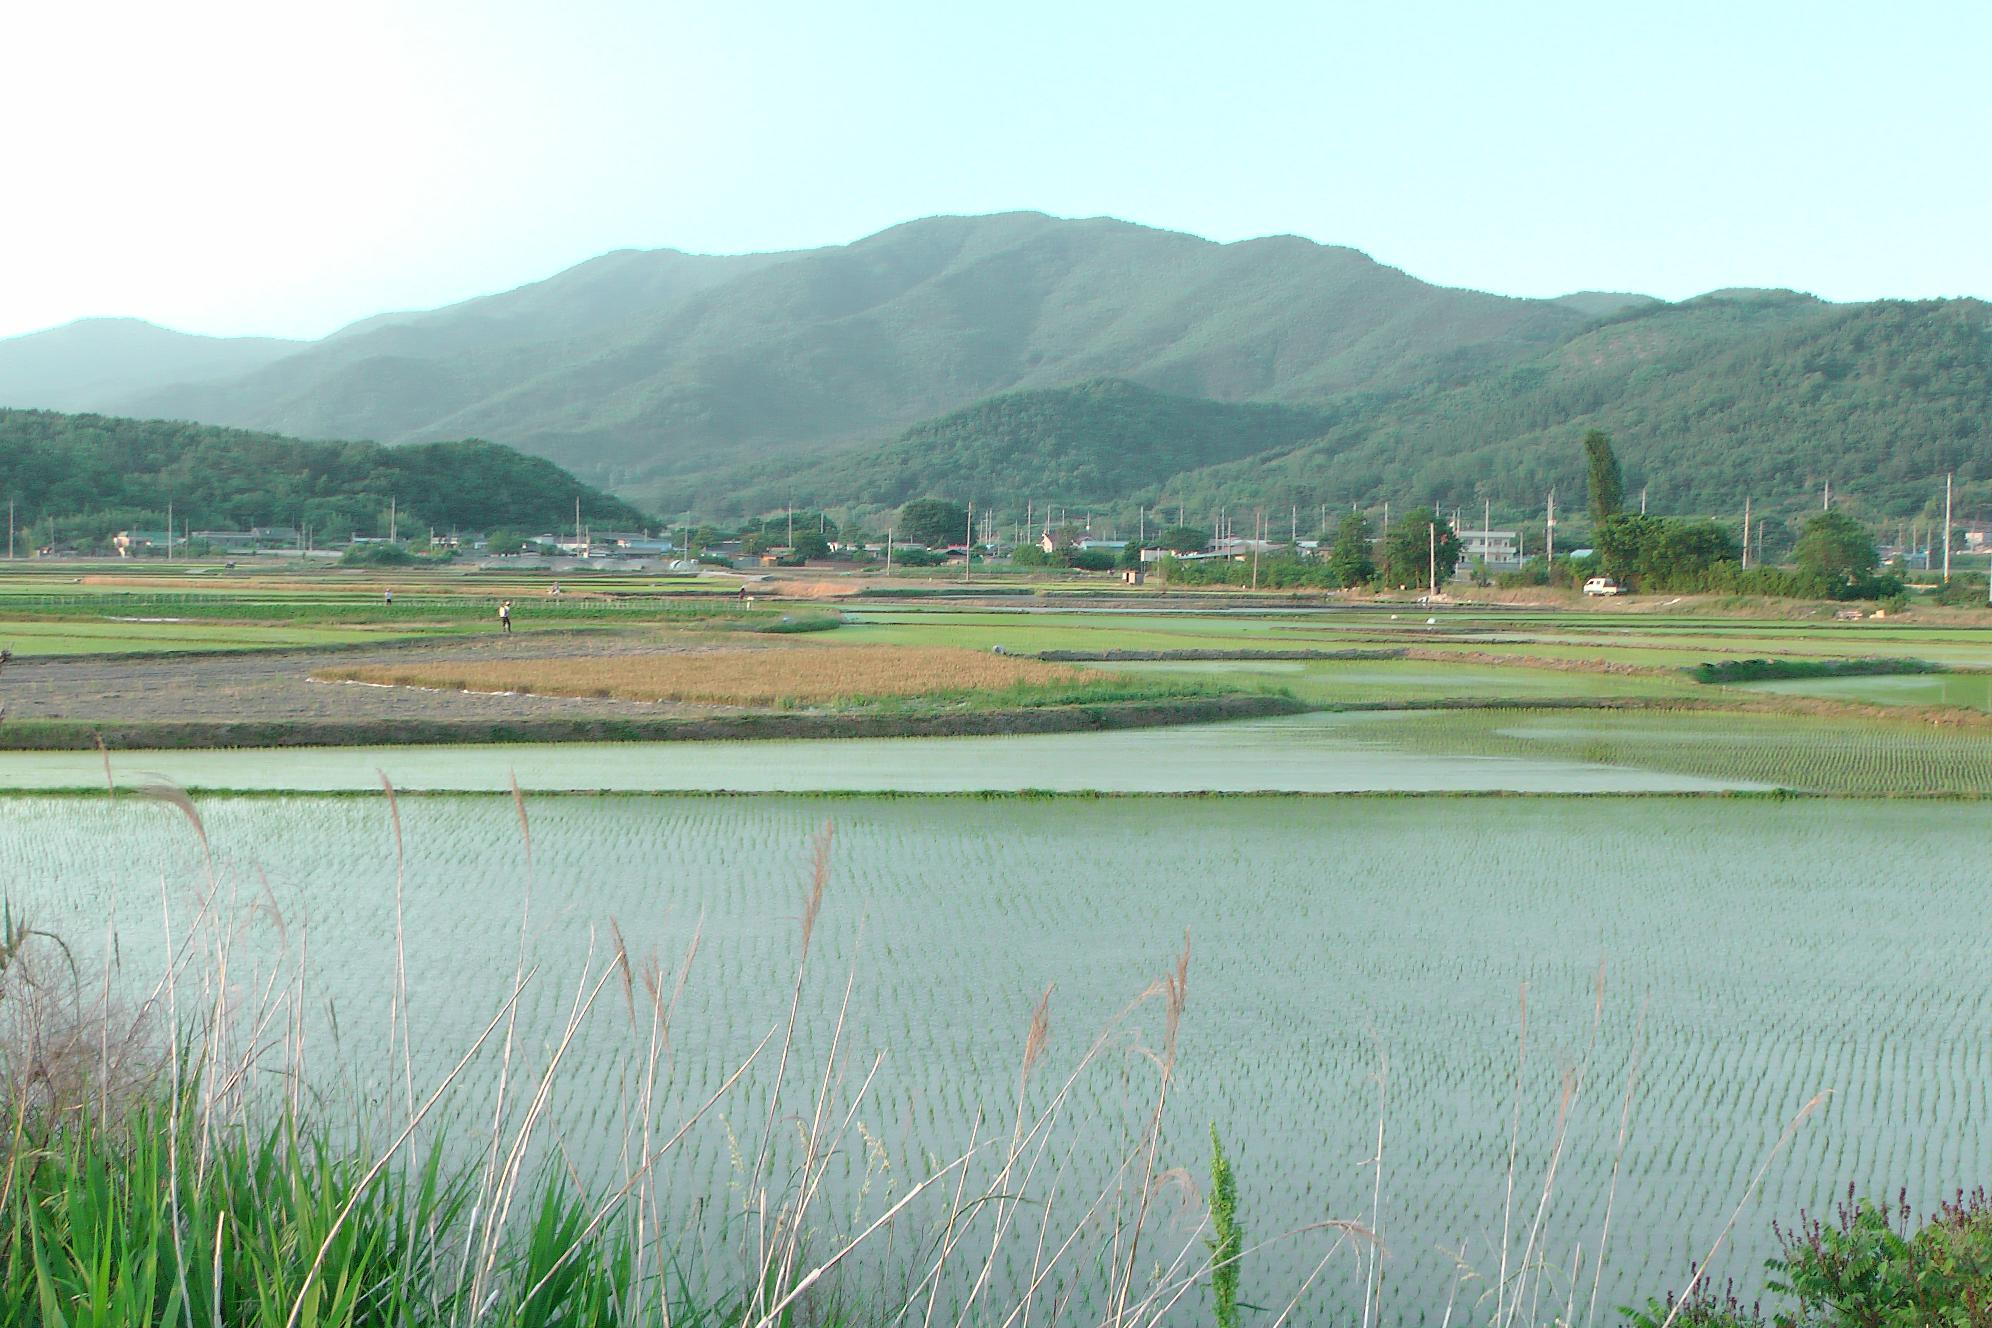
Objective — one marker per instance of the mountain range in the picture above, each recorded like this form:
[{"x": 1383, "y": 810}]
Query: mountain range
[{"x": 1019, "y": 356}]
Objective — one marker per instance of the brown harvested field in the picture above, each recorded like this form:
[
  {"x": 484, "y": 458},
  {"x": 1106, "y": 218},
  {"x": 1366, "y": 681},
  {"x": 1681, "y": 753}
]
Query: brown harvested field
[{"x": 763, "y": 676}]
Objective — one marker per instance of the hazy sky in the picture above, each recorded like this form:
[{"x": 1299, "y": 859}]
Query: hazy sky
[{"x": 268, "y": 166}]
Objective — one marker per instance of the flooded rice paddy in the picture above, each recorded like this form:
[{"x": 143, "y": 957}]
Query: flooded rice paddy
[
  {"x": 1352, "y": 960},
  {"x": 1313, "y": 753},
  {"x": 1972, "y": 691}
]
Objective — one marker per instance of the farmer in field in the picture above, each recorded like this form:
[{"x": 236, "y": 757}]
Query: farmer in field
[{"x": 505, "y": 616}]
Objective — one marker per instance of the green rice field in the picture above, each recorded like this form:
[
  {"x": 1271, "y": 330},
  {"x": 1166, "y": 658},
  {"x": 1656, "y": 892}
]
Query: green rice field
[
  {"x": 1473, "y": 750},
  {"x": 1355, "y": 962},
  {"x": 1308, "y": 753},
  {"x": 1701, "y": 954},
  {"x": 1344, "y": 681},
  {"x": 1809, "y": 753},
  {"x": 1969, "y": 691}
]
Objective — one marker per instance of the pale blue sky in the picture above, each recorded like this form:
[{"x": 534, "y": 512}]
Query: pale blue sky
[{"x": 242, "y": 166}]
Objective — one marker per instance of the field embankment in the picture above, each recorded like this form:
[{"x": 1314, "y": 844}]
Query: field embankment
[{"x": 57, "y": 735}]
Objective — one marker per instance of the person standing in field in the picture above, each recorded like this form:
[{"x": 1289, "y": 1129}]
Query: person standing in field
[
  {"x": 390, "y": 599},
  {"x": 505, "y": 616}
]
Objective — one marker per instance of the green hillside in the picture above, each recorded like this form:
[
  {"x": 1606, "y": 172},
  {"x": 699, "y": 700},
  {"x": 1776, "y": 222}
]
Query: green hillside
[
  {"x": 126, "y": 471},
  {"x": 722, "y": 361},
  {"x": 1091, "y": 443},
  {"x": 1021, "y": 356},
  {"x": 1767, "y": 395}
]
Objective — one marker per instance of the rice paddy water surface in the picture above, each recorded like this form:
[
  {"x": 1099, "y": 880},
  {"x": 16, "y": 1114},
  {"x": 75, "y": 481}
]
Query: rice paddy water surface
[{"x": 1353, "y": 960}]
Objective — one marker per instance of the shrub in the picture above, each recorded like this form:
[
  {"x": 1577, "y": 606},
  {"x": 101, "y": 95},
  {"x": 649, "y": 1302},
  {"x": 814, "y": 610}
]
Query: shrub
[
  {"x": 1869, "y": 1266},
  {"x": 1759, "y": 670},
  {"x": 376, "y": 555}
]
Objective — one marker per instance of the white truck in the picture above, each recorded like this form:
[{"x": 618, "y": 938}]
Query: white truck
[{"x": 1603, "y": 585}]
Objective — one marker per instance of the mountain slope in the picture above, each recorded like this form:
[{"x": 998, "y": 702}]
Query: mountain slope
[
  {"x": 1765, "y": 394},
  {"x": 111, "y": 472},
  {"x": 1090, "y": 443},
  {"x": 402, "y": 377},
  {"x": 800, "y": 353},
  {"x": 95, "y": 360}
]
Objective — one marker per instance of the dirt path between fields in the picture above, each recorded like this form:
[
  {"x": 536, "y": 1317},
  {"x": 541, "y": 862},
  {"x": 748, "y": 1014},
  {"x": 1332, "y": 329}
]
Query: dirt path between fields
[{"x": 277, "y": 686}]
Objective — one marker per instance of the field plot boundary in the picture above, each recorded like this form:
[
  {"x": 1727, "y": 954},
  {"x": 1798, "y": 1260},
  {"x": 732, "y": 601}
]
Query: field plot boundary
[{"x": 65, "y": 735}]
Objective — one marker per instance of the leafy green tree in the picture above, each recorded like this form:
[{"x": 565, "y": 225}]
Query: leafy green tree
[
  {"x": 934, "y": 522},
  {"x": 1664, "y": 553},
  {"x": 1130, "y": 554},
  {"x": 1407, "y": 553},
  {"x": 1621, "y": 541},
  {"x": 1090, "y": 560},
  {"x": 376, "y": 555},
  {"x": 1837, "y": 549},
  {"x": 1607, "y": 484},
  {"x": 1184, "y": 539},
  {"x": 1350, "y": 559},
  {"x": 810, "y": 544}
]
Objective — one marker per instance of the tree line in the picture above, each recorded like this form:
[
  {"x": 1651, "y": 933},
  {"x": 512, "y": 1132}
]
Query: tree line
[{"x": 93, "y": 475}]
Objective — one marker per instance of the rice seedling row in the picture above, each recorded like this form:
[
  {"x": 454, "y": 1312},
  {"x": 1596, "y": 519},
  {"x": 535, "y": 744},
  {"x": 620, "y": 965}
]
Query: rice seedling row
[{"x": 1753, "y": 955}]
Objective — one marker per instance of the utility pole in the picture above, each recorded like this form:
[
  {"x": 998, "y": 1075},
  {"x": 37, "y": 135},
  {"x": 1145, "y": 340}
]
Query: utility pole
[
  {"x": 1947, "y": 526},
  {"x": 1432, "y": 538},
  {"x": 968, "y": 548},
  {"x": 1826, "y": 497},
  {"x": 1259, "y": 521},
  {"x": 1746, "y": 533},
  {"x": 1549, "y": 529},
  {"x": 391, "y": 527},
  {"x": 169, "y": 530},
  {"x": 888, "y": 551},
  {"x": 1642, "y": 500},
  {"x": 580, "y": 549}
]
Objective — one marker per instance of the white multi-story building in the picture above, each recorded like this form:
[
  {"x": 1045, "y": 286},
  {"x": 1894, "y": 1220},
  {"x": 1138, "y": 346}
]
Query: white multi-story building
[{"x": 1490, "y": 546}]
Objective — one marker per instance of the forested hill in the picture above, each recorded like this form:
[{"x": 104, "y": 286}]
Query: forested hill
[
  {"x": 1002, "y": 358},
  {"x": 1764, "y": 394},
  {"x": 712, "y": 362},
  {"x": 1094, "y": 442},
  {"x": 124, "y": 471}
]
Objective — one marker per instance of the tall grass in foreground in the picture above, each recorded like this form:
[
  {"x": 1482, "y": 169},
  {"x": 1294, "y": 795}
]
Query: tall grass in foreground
[{"x": 168, "y": 1162}]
